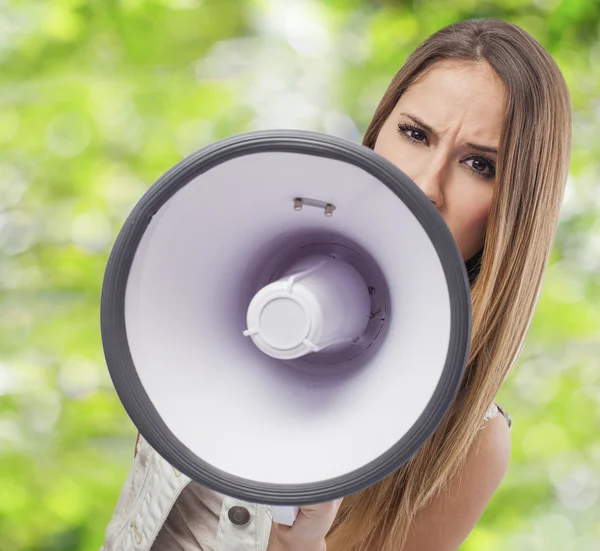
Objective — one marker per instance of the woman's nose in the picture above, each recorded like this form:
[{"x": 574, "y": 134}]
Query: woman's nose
[{"x": 431, "y": 184}]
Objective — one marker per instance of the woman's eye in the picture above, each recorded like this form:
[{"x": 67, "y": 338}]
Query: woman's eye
[
  {"x": 416, "y": 135},
  {"x": 412, "y": 133},
  {"x": 481, "y": 167}
]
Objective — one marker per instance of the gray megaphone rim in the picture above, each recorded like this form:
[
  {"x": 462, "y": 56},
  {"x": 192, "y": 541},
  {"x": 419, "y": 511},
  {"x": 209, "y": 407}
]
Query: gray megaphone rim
[{"x": 122, "y": 369}]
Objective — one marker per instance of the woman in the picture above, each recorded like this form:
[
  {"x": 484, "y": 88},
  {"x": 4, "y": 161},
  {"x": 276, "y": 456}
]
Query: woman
[{"x": 479, "y": 117}]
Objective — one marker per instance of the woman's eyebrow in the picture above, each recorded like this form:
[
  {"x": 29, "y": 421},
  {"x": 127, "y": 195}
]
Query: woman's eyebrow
[
  {"x": 482, "y": 148},
  {"x": 420, "y": 123}
]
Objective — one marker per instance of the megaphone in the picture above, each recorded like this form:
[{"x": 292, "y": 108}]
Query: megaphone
[{"x": 285, "y": 317}]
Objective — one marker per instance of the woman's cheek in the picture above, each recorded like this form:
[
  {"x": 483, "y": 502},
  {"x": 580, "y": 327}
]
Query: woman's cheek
[
  {"x": 476, "y": 227},
  {"x": 479, "y": 219}
]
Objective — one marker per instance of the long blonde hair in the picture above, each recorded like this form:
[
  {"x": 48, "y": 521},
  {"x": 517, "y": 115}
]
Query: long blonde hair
[{"x": 506, "y": 276}]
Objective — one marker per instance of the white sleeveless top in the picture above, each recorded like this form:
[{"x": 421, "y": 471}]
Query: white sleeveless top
[{"x": 161, "y": 509}]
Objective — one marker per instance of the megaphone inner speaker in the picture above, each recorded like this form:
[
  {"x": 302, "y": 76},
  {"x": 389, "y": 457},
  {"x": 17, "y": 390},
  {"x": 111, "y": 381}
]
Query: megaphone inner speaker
[
  {"x": 204, "y": 241},
  {"x": 291, "y": 249}
]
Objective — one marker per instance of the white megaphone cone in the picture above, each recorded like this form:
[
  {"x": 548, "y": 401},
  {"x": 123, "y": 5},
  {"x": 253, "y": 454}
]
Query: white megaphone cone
[{"x": 286, "y": 318}]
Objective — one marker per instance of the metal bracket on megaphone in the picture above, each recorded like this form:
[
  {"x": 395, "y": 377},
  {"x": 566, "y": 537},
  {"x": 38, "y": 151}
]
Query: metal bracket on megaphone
[{"x": 328, "y": 208}]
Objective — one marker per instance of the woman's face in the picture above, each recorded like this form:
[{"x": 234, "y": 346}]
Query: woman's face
[{"x": 444, "y": 134}]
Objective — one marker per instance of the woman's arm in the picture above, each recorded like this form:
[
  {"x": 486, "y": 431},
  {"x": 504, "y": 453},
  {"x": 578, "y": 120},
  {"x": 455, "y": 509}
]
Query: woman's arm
[{"x": 447, "y": 521}]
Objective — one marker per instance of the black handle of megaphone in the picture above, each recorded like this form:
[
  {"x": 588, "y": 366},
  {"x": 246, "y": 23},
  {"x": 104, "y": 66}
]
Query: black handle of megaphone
[{"x": 284, "y": 514}]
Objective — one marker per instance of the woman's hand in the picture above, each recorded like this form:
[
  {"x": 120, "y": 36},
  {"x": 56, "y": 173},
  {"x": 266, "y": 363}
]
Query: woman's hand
[{"x": 308, "y": 531}]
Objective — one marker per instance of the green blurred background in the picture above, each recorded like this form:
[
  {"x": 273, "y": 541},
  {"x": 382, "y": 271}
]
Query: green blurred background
[{"x": 99, "y": 98}]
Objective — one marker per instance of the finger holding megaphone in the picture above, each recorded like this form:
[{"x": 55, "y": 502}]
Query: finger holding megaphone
[{"x": 286, "y": 318}]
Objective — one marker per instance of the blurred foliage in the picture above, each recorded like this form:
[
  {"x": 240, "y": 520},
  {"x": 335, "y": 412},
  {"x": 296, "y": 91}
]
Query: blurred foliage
[{"x": 99, "y": 98}]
